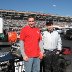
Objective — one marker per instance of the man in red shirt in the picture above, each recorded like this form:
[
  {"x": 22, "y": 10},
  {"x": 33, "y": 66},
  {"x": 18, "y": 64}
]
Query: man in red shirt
[{"x": 30, "y": 43}]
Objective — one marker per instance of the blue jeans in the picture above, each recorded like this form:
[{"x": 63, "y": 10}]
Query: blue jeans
[{"x": 32, "y": 65}]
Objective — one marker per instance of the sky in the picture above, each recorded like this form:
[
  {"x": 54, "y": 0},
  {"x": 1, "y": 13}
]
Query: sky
[{"x": 55, "y": 7}]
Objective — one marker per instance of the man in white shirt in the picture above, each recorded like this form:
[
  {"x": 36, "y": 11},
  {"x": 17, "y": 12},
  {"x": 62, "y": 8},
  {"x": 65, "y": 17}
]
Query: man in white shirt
[{"x": 52, "y": 46}]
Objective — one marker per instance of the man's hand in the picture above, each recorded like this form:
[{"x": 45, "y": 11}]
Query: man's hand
[
  {"x": 41, "y": 55},
  {"x": 25, "y": 58},
  {"x": 58, "y": 52}
]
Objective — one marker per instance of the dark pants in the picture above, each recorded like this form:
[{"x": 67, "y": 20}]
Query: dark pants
[{"x": 50, "y": 61}]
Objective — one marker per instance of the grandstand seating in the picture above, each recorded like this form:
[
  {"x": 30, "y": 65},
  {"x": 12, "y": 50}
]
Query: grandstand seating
[{"x": 17, "y": 20}]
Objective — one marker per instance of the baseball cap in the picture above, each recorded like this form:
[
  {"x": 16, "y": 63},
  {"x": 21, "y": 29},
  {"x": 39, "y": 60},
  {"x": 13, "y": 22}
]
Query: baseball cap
[{"x": 49, "y": 23}]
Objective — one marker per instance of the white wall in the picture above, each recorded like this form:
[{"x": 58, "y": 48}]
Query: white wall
[{"x": 1, "y": 25}]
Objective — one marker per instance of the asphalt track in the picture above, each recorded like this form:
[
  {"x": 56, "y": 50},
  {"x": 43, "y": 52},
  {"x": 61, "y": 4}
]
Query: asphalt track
[{"x": 67, "y": 43}]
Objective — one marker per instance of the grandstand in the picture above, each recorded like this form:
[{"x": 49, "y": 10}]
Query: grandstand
[
  {"x": 18, "y": 19},
  {"x": 12, "y": 14}
]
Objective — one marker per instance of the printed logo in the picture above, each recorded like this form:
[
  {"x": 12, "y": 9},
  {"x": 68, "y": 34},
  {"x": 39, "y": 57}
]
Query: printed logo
[{"x": 37, "y": 32}]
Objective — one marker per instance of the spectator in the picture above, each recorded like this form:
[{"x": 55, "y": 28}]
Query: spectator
[{"x": 30, "y": 43}]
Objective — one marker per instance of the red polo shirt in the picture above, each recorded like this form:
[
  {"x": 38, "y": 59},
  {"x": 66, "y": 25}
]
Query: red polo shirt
[{"x": 31, "y": 38}]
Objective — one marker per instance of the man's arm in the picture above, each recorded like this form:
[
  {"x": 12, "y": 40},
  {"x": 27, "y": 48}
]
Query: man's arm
[
  {"x": 59, "y": 43},
  {"x": 41, "y": 46},
  {"x": 22, "y": 48},
  {"x": 25, "y": 57},
  {"x": 41, "y": 49}
]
